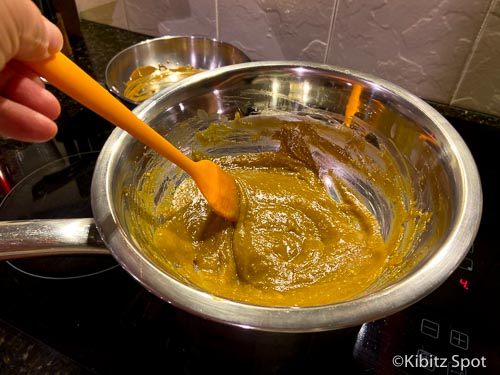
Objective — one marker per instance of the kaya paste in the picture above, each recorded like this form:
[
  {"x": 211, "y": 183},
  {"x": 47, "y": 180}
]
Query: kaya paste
[{"x": 293, "y": 244}]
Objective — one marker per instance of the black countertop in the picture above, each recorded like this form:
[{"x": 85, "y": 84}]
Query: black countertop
[{"x": 99, "y": 44}]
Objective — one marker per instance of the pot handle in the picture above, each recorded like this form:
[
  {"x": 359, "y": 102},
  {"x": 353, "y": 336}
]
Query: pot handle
[{"x": 33, "y": 238}]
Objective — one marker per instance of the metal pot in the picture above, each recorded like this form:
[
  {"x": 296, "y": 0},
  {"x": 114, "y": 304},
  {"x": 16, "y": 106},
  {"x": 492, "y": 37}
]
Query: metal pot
[{"x": 433, "y": 160}]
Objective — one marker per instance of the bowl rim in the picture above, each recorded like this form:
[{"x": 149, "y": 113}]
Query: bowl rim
[{"x": 410, "y": 289}]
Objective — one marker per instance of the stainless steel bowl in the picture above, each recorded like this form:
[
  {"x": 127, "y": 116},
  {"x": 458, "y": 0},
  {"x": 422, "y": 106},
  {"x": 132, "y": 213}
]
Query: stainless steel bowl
[
  {"x": 172, "y": 51},
  {"x": 433, "y": 163},
  {"x": 433, "y": 160}
]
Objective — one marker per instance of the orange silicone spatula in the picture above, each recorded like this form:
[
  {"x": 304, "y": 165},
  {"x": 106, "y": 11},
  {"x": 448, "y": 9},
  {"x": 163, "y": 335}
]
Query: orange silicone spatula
[{"x": 217, "y": 186}]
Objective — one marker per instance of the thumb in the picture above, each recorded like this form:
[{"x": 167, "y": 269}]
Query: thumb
[
  {"x": 42, "y": 43},
  {"x": 26, "y": 34}
]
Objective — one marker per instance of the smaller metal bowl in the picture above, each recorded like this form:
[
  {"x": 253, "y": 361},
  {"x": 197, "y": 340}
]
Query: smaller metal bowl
[{"x": 171, "y": 51}]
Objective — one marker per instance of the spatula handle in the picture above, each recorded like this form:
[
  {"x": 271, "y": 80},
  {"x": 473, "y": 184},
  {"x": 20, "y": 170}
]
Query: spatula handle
[{"x": 68, "y": 77}]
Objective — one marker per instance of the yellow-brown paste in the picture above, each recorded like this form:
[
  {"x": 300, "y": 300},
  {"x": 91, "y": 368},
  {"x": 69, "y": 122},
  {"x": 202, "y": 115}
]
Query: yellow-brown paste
[
  {"x": 293, "y": 245},
  {"x": 145, "y": 81}
]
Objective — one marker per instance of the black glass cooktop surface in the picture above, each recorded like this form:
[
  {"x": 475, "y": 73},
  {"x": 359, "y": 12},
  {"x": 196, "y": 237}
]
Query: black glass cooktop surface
[{"x": 86, "y": 315}]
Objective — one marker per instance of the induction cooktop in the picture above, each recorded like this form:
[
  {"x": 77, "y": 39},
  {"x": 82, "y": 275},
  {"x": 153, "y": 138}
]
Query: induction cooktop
[{"x": 86, "y": 315}]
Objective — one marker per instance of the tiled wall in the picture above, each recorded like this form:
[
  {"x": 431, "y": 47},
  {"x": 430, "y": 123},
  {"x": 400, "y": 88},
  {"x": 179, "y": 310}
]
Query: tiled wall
[{"x": 442, "y": 50}]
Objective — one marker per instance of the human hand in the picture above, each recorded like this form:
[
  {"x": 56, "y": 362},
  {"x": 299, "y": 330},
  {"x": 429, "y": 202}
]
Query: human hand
[{"x": 27, "y": 109}]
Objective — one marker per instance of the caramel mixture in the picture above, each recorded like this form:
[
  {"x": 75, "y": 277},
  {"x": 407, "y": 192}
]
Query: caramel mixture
[
  {"x": 294, "y": 244},
  {"x": 145, "y": 81}
]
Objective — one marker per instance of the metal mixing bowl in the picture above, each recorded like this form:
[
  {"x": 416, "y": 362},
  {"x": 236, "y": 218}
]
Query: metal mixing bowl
[
  {"x": 432, "y": 160},
  {"x": 171, "y": 51}
]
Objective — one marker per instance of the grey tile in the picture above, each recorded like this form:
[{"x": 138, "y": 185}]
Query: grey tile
[
  {"x": 479, "y": 88},
  {"x": 273, "y": 29},
  {"x": 419, "y": 45},
  {"x": 175, "y": 17}
]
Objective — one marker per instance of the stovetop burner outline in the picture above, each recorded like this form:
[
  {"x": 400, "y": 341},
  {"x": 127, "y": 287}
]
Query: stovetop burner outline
[
  {"x": 59, "y": 189},
  {"x": 83, "y": 275}
]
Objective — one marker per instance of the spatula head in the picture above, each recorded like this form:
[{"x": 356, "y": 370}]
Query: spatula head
[{"x": 219, "y": 188}]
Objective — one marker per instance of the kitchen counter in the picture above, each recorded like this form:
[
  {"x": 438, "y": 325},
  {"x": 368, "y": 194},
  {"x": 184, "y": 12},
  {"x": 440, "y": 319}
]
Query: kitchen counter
[{"x": 99, "y": 44}]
